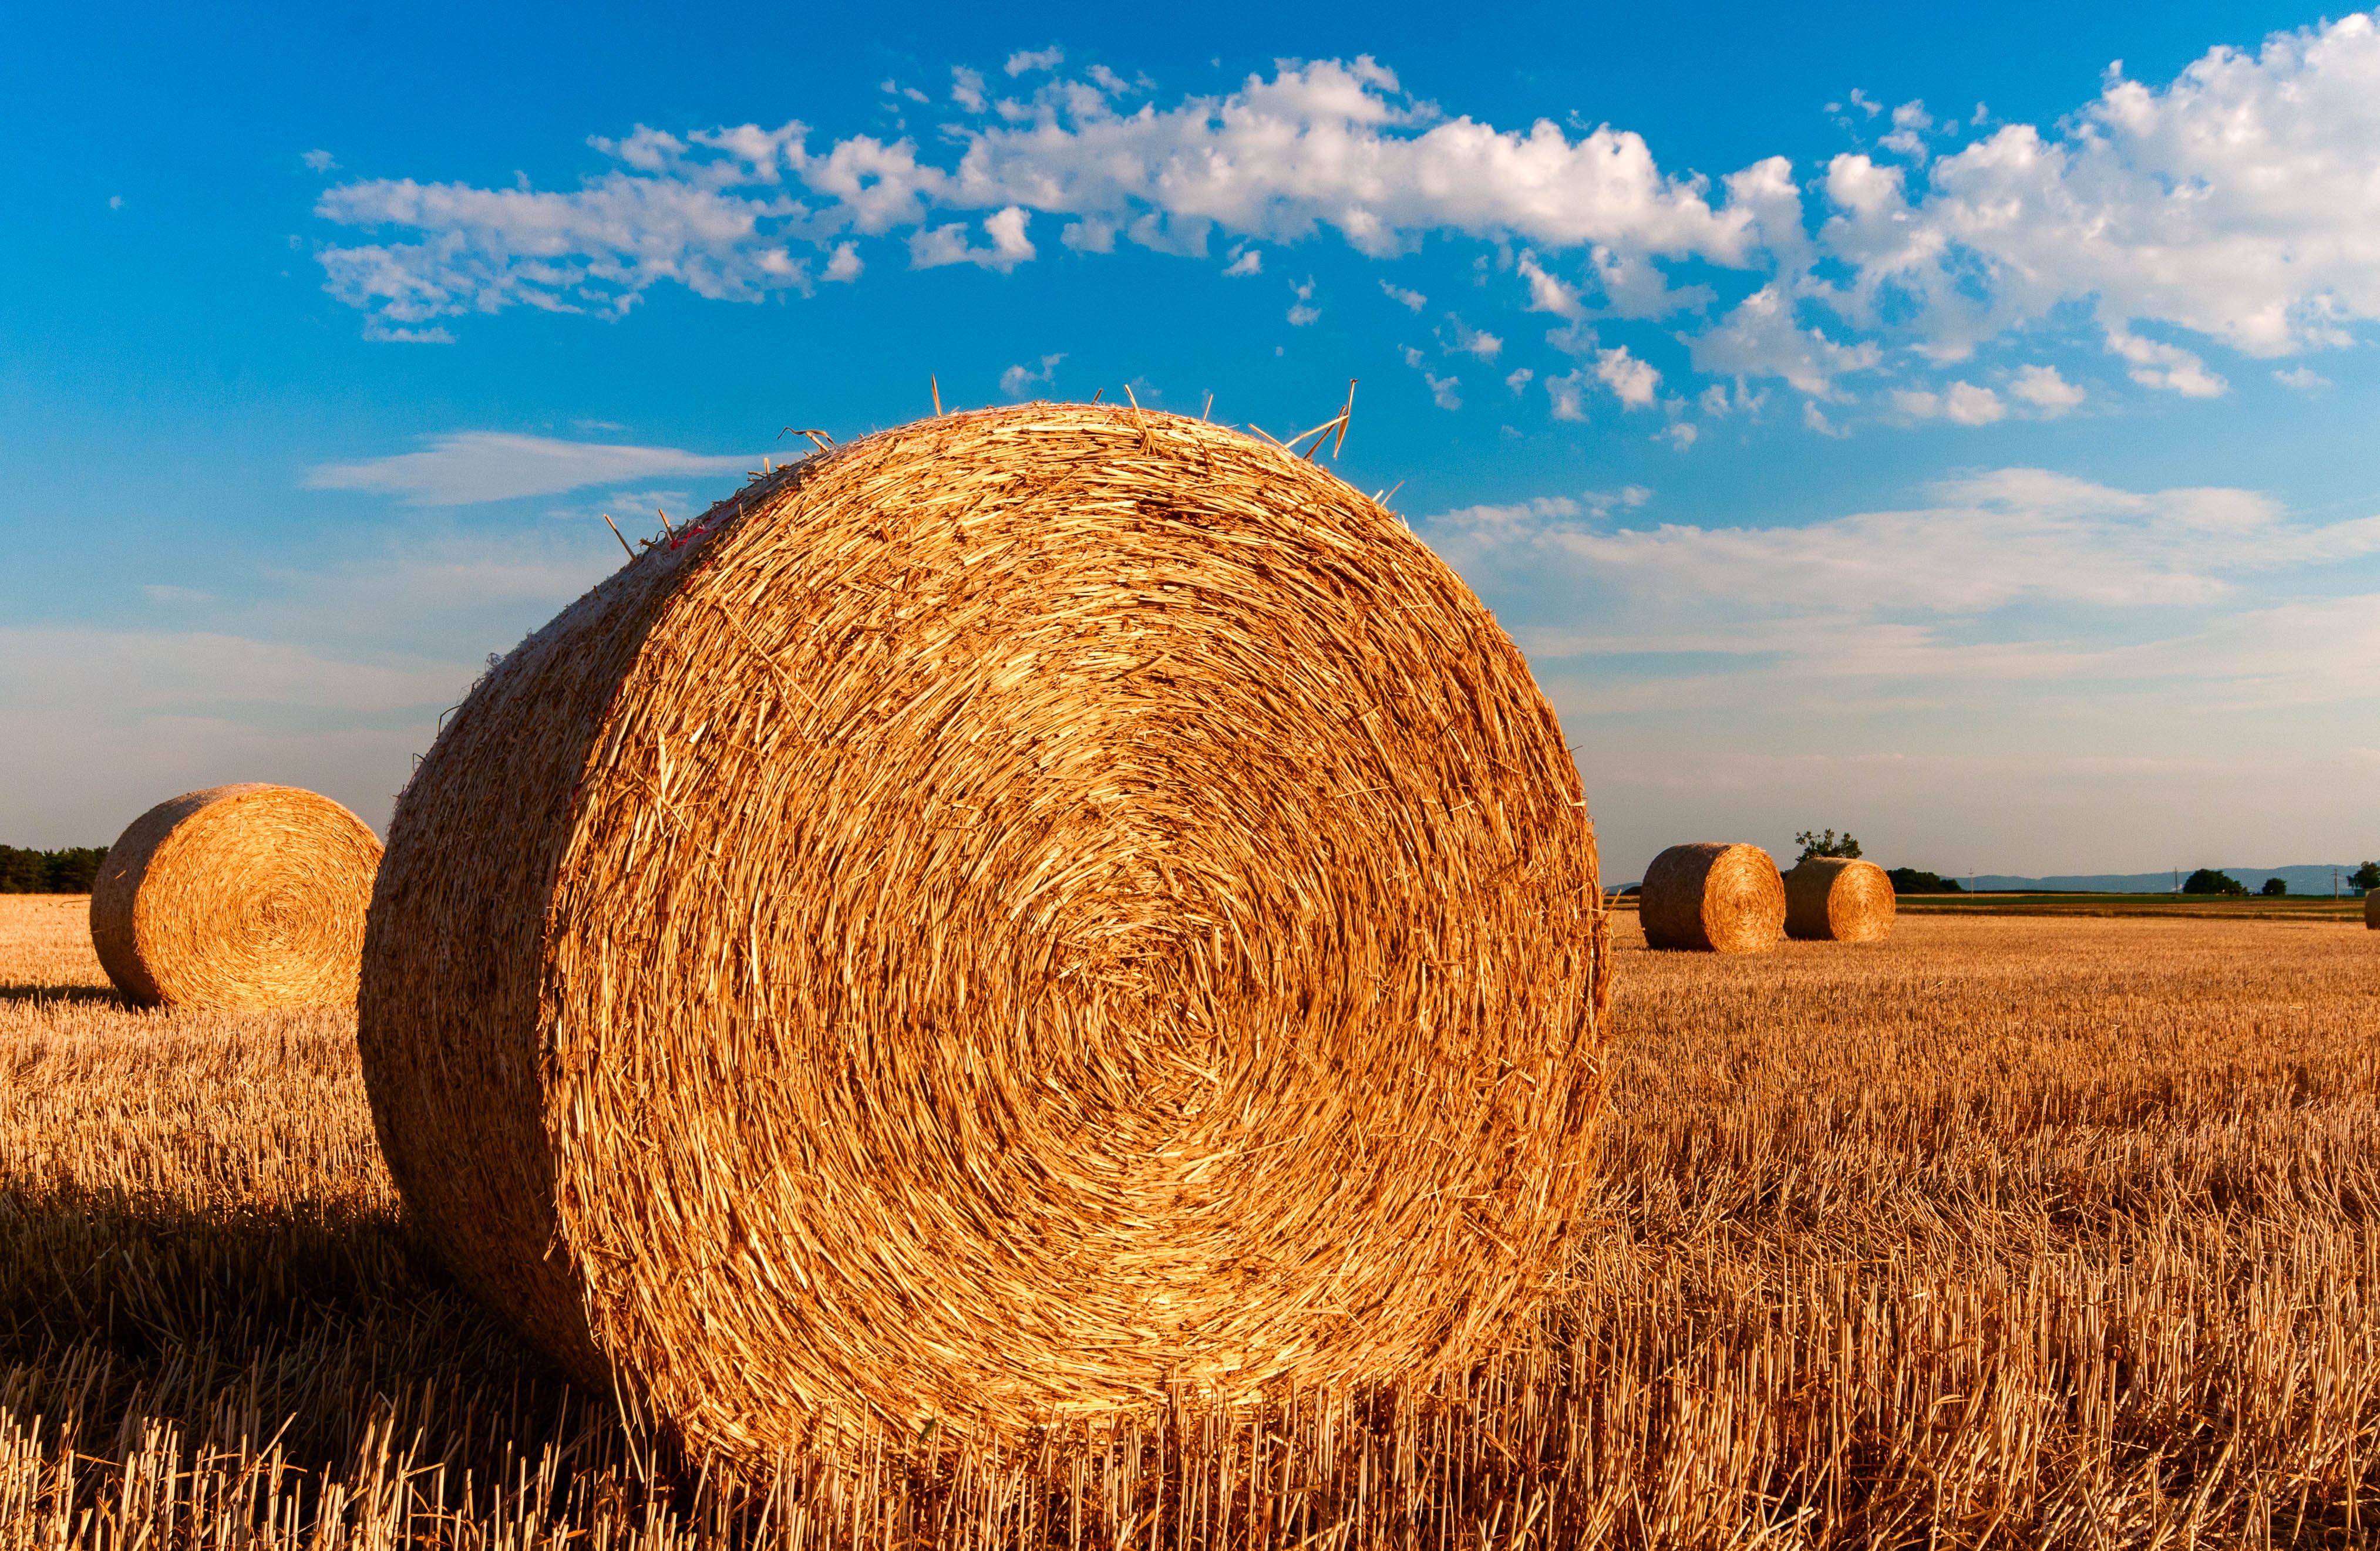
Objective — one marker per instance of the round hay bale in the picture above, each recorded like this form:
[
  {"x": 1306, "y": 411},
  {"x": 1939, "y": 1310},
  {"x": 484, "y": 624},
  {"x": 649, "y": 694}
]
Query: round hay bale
[
  {"x": 1712, "y": 897},
  {"x": 1016, "y": 917},
  {"x": 1838, "y": 899},
  {"x": 248, "y": 896},
  {"x": 2371, "y": 908}
]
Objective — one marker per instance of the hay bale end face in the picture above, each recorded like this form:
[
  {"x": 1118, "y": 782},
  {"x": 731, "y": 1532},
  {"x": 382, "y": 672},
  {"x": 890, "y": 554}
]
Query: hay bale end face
[
  {"x": 1713, "y": 897},
  {"x": 1009, "y": 918},
  {"x": 1839, "y": 899},
  {"x": 239, "y": 897}
]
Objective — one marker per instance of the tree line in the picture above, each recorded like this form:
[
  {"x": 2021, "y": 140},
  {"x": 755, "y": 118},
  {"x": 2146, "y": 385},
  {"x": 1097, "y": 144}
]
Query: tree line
[{"x": 70, "y": 871}]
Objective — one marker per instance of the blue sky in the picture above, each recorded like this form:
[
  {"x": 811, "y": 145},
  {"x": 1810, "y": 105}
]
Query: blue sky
[{"x": 1955, "y": 426}]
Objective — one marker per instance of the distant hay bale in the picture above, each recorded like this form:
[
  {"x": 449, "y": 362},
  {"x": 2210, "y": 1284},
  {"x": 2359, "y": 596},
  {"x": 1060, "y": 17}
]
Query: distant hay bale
[
  {"x": 2371, "y": 908},
  {"x": 1714, "y": 898},
  {"x": 1838, "y": 899},
  {"x": 1013, "y": 918},
  {"x": 240, "y": 897}
]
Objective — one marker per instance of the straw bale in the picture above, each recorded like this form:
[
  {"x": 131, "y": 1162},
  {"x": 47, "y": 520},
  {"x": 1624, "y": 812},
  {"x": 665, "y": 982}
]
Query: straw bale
[
  {"x": 2372, "y": 909},
  {"x": 1712, "y": 897},
  {"x": 1021, "y": 916},
  {"x": 245, "y": 896},
  {"x": 1838, "y": 899}
]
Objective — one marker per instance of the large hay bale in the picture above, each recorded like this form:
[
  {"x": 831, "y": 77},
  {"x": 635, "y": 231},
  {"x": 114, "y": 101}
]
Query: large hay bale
[
  {"x": 1015, "y": 916},
  {"x": 1712, "y": 897},
  {"x": 246, "y": 896},
  {"x": 1839, "y": 899}
]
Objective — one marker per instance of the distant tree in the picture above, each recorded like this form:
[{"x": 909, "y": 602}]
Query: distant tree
[
  {"x": 2367, "y": 877},
  {"x": 2276, "y": 886},
  {"x": 1814, "y": 844},
  {"x": 1914, "y": 880},
  {"x": 70, "y": 871},
  {"x": 2206, "y": 880}
]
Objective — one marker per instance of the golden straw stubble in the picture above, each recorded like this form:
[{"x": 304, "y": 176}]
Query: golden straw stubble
[
  {"x": 249, "y": 896},
  {"x": 1712, "y": 896},
  {"x": 1839, "y": 899},
  {"x": 1012, "y": 918}
]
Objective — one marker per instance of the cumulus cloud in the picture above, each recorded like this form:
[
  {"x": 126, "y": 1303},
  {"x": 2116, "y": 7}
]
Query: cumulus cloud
[
  {"x": 2042, "y": 387},
  {"x": 739, "y": 211},
  {"x": 2165, "y": 366},
  {"x": 1633, "y": 382},
  {"x": 1460, "y": 338},
  {"x": 1442, "y": 390},
  {"x": 465, "y": 467},
  {"x": 1569, "y": 394},
  {"x": 2237, "y": 202},
  {"x": 1019, "y": 381},
  {"x": 2235, "y": 208},
  {"x": 1412, "y": 302},
  {"x": 1962, "y": 404},
  {"x": 932, "y": 247}
]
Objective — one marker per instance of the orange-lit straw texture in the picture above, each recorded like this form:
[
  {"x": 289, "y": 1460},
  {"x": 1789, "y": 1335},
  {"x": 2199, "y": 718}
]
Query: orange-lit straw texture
[
  {"x": 1038, "y": 914},
  {"x": 246, "y": 896}
]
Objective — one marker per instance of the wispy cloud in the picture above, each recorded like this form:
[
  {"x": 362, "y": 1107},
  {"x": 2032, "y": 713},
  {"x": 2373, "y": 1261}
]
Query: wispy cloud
[{"x": 469, "y": 466}]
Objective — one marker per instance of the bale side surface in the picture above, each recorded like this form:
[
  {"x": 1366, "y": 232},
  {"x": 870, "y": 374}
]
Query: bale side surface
[
  {"x": 1839, "y": 899},
  {"x": 2371, "y": 908},
  {"x": 247, "y": 896},
  {"x": 1712, "y": 897},
  {"x": 1020, "y": 913}
]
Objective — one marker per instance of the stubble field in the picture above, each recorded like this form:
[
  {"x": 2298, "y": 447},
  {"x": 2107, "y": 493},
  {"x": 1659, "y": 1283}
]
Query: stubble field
[{"x": 2017, "y": 1231}]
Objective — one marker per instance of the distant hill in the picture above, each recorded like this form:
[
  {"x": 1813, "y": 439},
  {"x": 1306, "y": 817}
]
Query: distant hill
[{"x": 2309, "y": 879}]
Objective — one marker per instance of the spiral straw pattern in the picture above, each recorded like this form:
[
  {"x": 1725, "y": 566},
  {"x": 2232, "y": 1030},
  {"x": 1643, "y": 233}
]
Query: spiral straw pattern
[
  {"x": 1712, "y": 897},
  {"x": 1836, "y": 899},
  {"x": 1029, "y": 914},
  {"x": 238, "y": 897}
]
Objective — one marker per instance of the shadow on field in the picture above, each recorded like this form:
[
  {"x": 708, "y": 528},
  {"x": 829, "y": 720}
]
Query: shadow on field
[{"x": 37, "y": 995}]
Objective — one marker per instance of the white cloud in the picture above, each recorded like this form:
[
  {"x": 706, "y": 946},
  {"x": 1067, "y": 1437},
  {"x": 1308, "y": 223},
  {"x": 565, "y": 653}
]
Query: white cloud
[
  {"x": 319, "y": 160},
  {"x": 1682, "y": 435},
  {"x": 2303, "y": 378},
  {"x": 1548, "y": 293},
  {"x": 2042, "y": 387},
  {"x": 1633, "y": 382},
  {"x": 2165, "y": 366},
  {"x": 1442, "y": 390},
  {"x": 2238, "y": 203},
  {"x": 933, "y": 247},
  {"x": 1412, "y": 302},
  {"x": 1468, "y": 341},
  {"x": 1985, "y": 542},
  {"x": 465, "y": 468},
  {"x": 1520, "y": 378},
  {"x": 2235, "y": 206},
  {"x": 1971, "y": 406},
  {"x": 1301, "y": 315},
  {"x": 1019, "y": 381},
  {"x": 1331, "y": 144},
  {"x": 1250, "y": 261},
  {"x": 1569, "y": 395},
  {"x": 1759, "y": 338},
  {"x": 1962, "y": 404}
]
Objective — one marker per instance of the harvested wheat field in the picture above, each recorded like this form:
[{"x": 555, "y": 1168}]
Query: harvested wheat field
[{"x": 2001, "y": 1233}]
